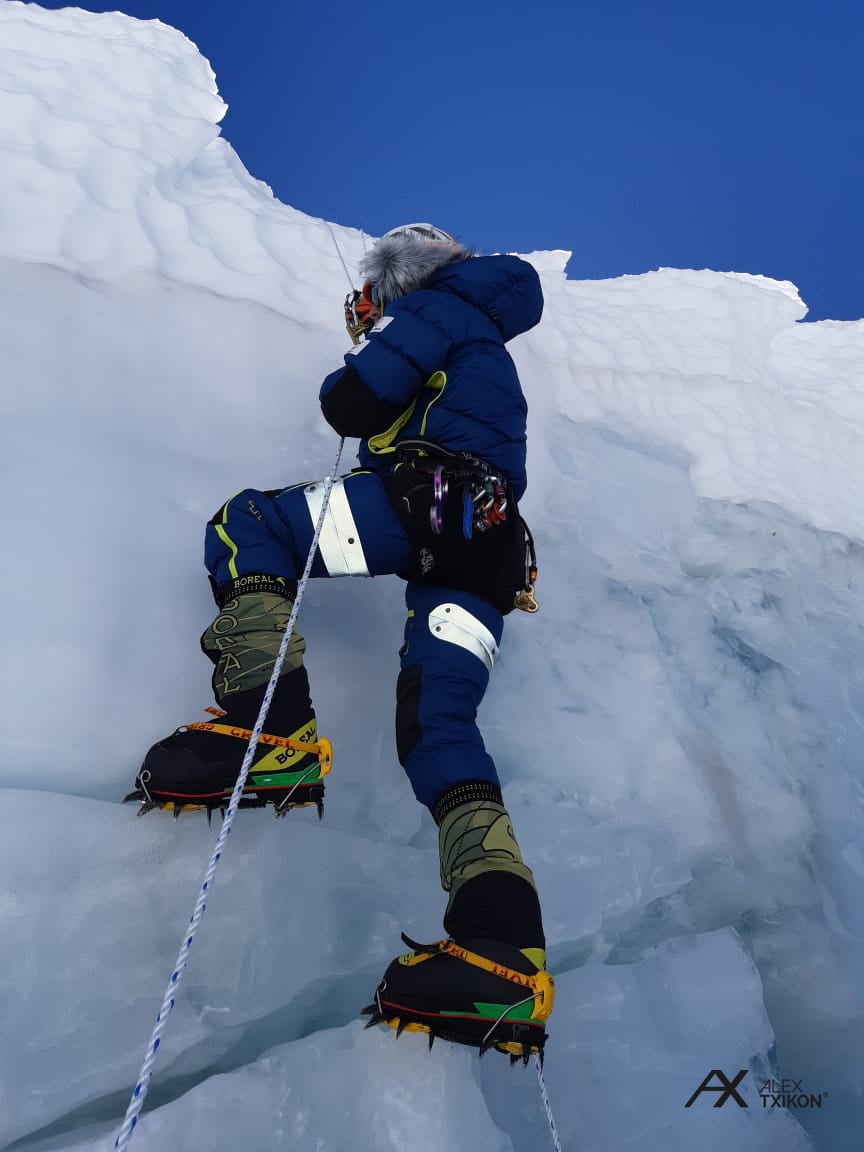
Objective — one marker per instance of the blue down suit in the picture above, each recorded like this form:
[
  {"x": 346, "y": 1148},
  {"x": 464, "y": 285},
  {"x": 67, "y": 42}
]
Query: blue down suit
[{"x": 434, "y": 366}]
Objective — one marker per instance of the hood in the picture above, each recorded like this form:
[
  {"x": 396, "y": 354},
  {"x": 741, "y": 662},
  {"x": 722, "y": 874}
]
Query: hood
[
  {"x": 506, "y": 288},
  {"x": 400, "y": 264}
]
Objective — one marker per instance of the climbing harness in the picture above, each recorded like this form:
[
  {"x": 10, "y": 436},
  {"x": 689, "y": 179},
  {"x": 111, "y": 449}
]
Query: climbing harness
[
  {"x": 145, "y": 1075},
  {"x": 459, "y": 514}
]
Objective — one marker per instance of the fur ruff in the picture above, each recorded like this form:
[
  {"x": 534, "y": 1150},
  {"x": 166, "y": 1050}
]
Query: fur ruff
[{"x": 401, "y": 264}]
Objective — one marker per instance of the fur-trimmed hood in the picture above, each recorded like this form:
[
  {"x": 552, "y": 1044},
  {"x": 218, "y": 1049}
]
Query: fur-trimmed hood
[
  {"x": 403, "y": 263},
  {"x": 456, "y": 328}
]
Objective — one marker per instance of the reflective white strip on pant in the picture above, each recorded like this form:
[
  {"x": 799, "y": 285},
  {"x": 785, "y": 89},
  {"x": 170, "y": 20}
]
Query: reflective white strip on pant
[
  {"x": 339, "y": 543},
  {"x": 451, "y": 623}
]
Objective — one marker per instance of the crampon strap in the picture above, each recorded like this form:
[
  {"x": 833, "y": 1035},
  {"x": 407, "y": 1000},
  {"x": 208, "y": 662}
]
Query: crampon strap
[
  {"x": 322, "y": 748},
  {"x": 540, "y": 983}
]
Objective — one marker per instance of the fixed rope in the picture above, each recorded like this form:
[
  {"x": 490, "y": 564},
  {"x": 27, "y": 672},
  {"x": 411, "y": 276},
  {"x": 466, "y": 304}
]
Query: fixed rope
[
  {"x": 538, "y": 1064},
  {"x": 146, "y": 1074},
  {"x": 339, "y": 250}
]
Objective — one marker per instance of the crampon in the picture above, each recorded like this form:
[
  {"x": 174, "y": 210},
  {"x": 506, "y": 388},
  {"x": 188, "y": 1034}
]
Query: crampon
[
  {"x": 186, "y": 773},
  {"x": 483, "y": 1001}
]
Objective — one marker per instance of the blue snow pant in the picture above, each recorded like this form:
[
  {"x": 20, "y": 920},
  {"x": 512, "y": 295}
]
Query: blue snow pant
[{"x": 451, "y": 638}]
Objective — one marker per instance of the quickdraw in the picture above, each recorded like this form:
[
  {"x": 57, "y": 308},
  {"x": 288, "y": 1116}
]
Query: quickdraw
[{"x": 489, "y": 498}]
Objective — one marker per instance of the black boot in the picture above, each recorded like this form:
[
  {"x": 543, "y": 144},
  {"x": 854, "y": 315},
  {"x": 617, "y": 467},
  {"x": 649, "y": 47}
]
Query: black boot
[
  {"x": 485, "y": 986},
  {"x": 198, "y": 764},
  {"x": 481, "y": 992}
]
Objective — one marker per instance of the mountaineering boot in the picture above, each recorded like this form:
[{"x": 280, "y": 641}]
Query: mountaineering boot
[
  {"x": 198, "y": 765},
  {"x": 486, "y": 985}
]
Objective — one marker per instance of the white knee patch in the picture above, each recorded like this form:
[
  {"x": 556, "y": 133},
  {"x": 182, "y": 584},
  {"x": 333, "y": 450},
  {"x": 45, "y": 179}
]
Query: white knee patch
[
  {"x": 455, "y": 625},
  {"x": 339, "y": 542}
]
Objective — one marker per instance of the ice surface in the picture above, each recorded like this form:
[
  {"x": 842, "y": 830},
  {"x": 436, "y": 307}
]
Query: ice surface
[
  {"x": 679, "y": 730},
  {"x": 639, "y": 1035}
]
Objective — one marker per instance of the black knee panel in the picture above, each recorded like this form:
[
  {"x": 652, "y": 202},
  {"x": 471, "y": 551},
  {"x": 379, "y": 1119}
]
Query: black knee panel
[{"x": 407, "y": 711}]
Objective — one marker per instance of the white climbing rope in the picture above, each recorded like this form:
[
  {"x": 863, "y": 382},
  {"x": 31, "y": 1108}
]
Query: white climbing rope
[
  {"x": 538, "y": 1064},
  {"x": 339, "y": 251},
  {"x": 145, "y": 1075}
]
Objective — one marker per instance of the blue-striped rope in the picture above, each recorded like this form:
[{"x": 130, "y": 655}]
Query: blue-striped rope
[
  {"x": 538, "y": 1064},
  {"x": 145, "y": 1075}
]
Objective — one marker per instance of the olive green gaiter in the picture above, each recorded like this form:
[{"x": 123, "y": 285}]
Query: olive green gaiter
[
  {"x": 243, "y": 641},
  {"x": 478, "y": 837}
]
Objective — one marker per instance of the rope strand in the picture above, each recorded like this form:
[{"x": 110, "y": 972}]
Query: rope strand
[
  {"x": 339, "y": 251},
  {"x": 544, "y": 1095},
  {"x": 146, "y": 1074}
]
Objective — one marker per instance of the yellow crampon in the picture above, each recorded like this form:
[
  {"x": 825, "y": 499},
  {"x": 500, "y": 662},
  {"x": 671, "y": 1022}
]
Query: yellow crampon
[
  {"x": 283, "y": 776},
  {"x": 524, "y": 1017}
]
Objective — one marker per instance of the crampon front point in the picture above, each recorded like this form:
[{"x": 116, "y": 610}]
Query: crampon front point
[
  {"x": 287, "y": 772},
  {"x": 466, "y": 998}
]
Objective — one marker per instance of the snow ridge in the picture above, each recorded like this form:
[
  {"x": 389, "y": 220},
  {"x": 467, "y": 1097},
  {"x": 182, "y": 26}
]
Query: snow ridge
[{"x": 678, "y": 730}]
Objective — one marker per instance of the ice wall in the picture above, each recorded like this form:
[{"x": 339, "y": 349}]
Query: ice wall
[{"x": 678, "y": 730}]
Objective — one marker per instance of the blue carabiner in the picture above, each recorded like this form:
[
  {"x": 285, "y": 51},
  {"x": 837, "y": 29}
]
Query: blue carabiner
[{"x": 467, "y": 515}]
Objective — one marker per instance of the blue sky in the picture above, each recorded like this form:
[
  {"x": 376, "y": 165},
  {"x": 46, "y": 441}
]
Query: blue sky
[{"x": 635, "y": 133}]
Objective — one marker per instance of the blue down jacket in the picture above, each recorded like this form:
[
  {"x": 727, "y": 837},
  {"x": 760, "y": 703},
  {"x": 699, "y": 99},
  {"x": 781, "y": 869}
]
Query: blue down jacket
[{"x": 435, "y": 366}]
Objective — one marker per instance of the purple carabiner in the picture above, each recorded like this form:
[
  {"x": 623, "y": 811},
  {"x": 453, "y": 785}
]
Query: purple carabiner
[{"x": 439, "y": 495}]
